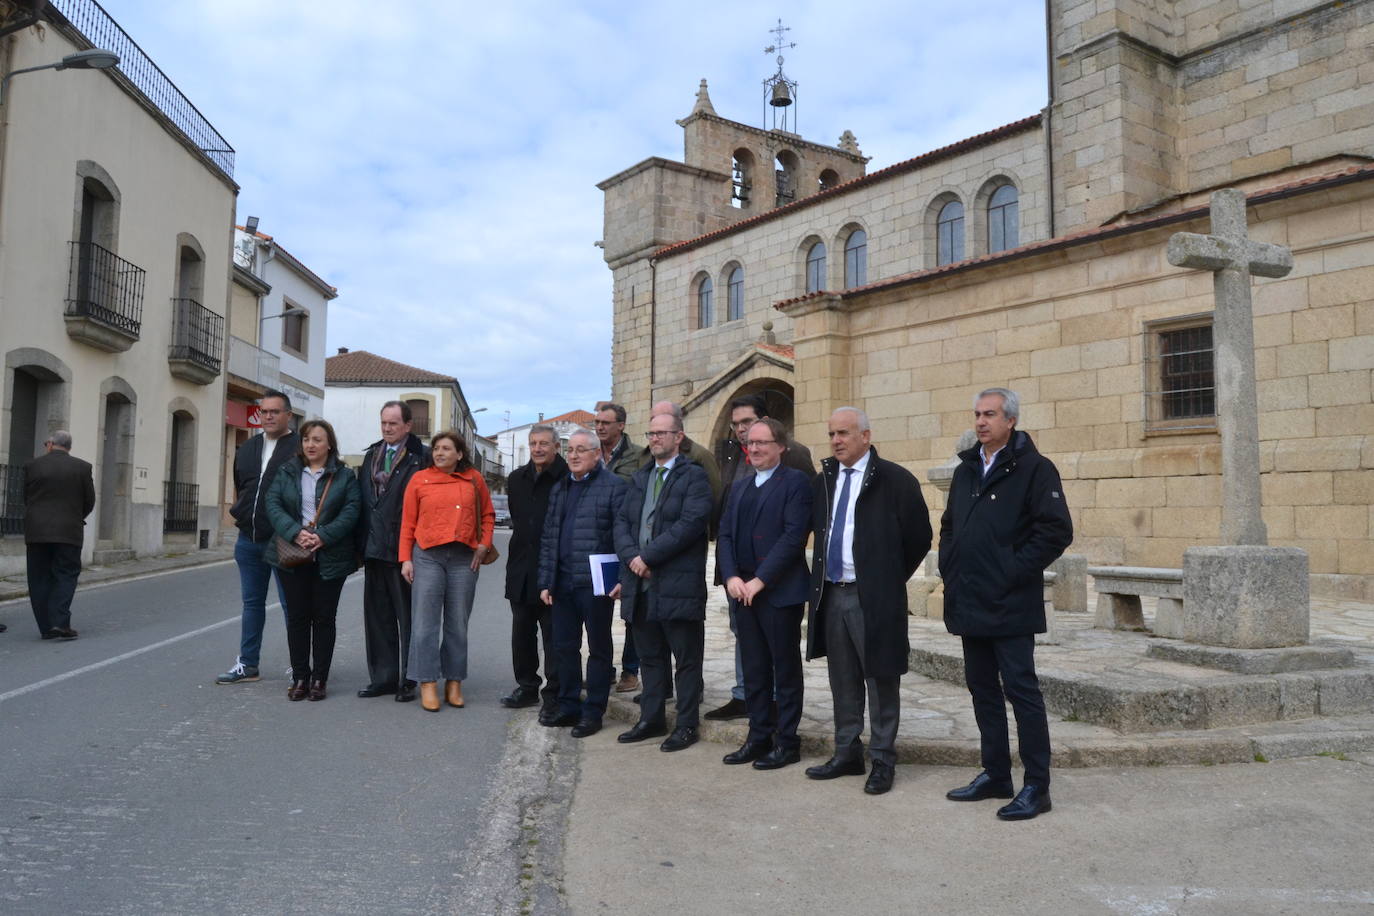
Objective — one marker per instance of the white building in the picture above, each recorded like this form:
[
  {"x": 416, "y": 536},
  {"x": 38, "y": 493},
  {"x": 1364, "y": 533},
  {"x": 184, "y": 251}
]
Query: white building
[{"x": 514, "y": 443}]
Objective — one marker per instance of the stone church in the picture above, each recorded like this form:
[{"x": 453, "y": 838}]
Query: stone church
[{"x": 1032, "y": 256}]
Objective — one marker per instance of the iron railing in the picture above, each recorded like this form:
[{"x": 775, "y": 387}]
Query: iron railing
[
  {"x": 11, "y": 500},
  {"x": 253, "y": 364},
  {"x": 197, "y": 334},
  {"x": 180, "y": 506},
  {"x": 90, "y": 19},
  {"x": 105, "y": 288}
]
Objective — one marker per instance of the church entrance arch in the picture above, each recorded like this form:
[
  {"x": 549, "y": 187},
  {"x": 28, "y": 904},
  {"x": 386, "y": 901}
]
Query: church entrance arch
[{"x": 777, "y": 395}]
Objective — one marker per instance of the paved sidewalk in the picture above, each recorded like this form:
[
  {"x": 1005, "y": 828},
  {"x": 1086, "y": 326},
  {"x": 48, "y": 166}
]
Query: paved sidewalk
[
  {"x": 16, "y": 586},
  {"x": 937, "y": 724}
]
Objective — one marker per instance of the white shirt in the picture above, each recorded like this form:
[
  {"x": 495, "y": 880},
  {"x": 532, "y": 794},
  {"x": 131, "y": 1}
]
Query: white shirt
[
  {"x": 761, "y": 477},
  {"x": 855, "y": 479},
  {"x": 989, "y": 460}
]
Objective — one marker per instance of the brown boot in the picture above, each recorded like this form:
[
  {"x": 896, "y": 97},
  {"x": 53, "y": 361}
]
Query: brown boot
[
  {"x": 453, "y": 692},
  {"x": 429, "y": 696}
]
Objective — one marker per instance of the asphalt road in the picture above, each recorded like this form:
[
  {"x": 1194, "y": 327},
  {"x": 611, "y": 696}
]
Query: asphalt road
[{"x": 130, "y": 782}]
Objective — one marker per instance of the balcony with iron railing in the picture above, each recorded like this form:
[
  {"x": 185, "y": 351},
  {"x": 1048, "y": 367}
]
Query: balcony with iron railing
[
  {"x": 254, "y": 364},
  {"x": 97, "y": 26},
  {"x": 197, "y": 342},
  {"x": 104, "y": 298},
  {"x": 180, "y": 506}
]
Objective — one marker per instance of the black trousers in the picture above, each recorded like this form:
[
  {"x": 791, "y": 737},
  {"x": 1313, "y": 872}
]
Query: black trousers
[
  {"x": 311, "y": 606},
  {"x": 660, "y": 643},
  {"x": 1012, "y": 658},
  {"x": 531, "y": 623},
  {"x": 576, "y": 610},
  {"x": 53, "y": 570},
  {"x": 770, "y": 649},
  {"x": 386, "y": 622}
]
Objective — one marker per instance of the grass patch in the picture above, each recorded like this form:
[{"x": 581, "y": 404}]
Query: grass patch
[
  {"x": 1260, "y": 758},
  {"x": 1334, "y": 755}
]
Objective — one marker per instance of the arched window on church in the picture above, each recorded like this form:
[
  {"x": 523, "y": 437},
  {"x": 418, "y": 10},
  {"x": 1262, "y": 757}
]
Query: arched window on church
[
  {"x": 815, "y": 268},
  {"x": 705, "y": 312},
  {"x": 785, "y": 172},
  {"x": 949, "y": 233},
  {"x": 829, "y": 178},
  {"x": 742, "y": 178},
  {"x": 734, "y": 306},
  {"x": 856, "y": 259},
  {"x": 1002, "y": 219}
]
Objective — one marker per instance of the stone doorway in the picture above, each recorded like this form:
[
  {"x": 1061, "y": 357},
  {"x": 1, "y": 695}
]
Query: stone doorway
[
  {"x": 777, "y": 394},
  {"x": 116, "y": 471}
]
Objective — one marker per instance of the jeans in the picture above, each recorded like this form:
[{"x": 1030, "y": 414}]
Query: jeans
[
  {"x": 441, "y": 603},
  {"x": 254, "y": 575},
  {"x": 575, "y": 610}
]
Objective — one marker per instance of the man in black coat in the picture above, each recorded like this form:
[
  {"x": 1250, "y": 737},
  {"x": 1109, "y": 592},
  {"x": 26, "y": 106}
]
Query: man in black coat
[
  {"x": 735, "y": 465},
  {"x": 59, "y": 492},
  {"x": 255, "y": 466},
  {"x": 872, "y": 530},
  {"x": 388, "y": 464},
  {"x": 1005, "y": 521},
  {"x": 761, "y": 550},
  {"x": 660, "y": 536},
  {"x": 528, "y": 489},
  {"x": 580, "y": 524}
]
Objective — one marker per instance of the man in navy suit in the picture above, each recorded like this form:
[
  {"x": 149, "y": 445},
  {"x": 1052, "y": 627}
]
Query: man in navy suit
[{"x": 762, "y": 553}]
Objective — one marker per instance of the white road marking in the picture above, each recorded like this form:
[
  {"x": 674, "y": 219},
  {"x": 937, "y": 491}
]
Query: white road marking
[
  {"x": 1161, "y": 900},
  {"x": 108, "y": 582}
]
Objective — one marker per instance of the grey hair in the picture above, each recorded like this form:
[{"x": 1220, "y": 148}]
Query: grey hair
[
  {"x": 61, "y": 438},
  {"x": 585, "y": 434},
  {"x": 862, "y": 417},
  {"x": 544, "y": 429},
  {"x": 1011, "y": 401}
]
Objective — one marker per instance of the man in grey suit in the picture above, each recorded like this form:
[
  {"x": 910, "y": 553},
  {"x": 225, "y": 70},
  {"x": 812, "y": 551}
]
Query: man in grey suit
[{"x": 59, "y": 492}]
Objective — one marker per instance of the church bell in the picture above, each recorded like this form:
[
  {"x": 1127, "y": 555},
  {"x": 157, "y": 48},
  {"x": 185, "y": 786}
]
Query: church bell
[{"x": 781, "y": 97}]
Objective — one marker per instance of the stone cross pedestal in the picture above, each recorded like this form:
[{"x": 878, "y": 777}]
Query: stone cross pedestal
[{"x": 1245, "y": 594}]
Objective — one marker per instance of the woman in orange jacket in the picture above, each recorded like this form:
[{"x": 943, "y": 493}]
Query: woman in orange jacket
[{"x": 447, "y": 521}]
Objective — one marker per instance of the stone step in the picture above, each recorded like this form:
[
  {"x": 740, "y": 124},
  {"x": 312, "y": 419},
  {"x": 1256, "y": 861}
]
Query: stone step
[{"x": 108, "y": 556}]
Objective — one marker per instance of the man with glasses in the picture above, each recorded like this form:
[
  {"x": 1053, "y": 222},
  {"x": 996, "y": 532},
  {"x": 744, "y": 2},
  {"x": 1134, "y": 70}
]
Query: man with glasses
[
  {"x": 255, "y": 466},
  {"x": 735, "y": 464},
  {"x": 661, "y": 537},
  {"x": 761, "y": 552},
  {"x": 580, "y": 522},
  {"x": 59, "y": 492},
  {"x": 619, "y": 456}
]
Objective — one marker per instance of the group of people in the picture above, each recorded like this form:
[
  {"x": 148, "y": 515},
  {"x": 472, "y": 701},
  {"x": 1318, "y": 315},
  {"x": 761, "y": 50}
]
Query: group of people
[
  {"x": 419, "y": 520},
  {"x": 608, "y": 521}
]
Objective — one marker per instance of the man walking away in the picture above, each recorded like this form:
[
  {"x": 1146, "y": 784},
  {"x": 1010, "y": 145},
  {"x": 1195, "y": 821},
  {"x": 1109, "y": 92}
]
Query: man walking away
[{"x": 59, "y": 492}]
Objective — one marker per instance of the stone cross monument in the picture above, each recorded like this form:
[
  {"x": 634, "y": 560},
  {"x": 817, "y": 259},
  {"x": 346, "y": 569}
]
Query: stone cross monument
[
  {"x": 1232, "y": 257},
  {"x": 1243, "y": 595}
]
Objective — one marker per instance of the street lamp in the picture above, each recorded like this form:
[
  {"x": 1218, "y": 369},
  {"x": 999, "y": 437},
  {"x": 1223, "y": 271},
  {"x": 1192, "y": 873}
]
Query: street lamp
[{"x": 93, "y": 59}]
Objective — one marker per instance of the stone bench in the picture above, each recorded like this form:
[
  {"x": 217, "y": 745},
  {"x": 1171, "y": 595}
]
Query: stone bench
[{"x": 1120, "y": 588}]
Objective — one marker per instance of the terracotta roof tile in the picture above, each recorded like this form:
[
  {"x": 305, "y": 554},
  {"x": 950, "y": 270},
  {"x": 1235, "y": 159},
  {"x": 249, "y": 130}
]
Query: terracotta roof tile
[
  {"x": 362, "y": 367},
  {"x": 580, "y": 417},
  {"x": 780, "y": 349},
  {"x": 935, "y": 155}
]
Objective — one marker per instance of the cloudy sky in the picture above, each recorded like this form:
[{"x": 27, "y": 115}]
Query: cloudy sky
[{"x": 436, "y": 160}]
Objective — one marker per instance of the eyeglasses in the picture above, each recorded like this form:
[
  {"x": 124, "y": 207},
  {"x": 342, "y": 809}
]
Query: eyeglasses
[
  {"x": 753, "y": 442},
  {"x": 659, "y": 434},
  {"x": 582, "y": 451}
]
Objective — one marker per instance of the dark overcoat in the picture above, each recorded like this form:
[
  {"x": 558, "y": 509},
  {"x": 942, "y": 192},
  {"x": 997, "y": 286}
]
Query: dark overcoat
[
  {"x": 777, "y": 528},
  {"x": 892, "y": 535},
  {"x": 593, "y": 526},
  {"x": 336, "y": 516},
  {"x": 249, "y": 511},
  {"x": 379, "y": 527},
  {"x": 997, "y": 535},
  {"x": 734, "y": 468},
  {"x": 59, "y": 492},
  {"x": 528, "y": 490},
  {"x": 675, "y": 551}
]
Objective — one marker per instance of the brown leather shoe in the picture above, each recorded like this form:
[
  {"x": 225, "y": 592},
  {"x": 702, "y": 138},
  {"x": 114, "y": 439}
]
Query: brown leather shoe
[
  {"x": 297, "y": 691},
  {"x": 628, "y": 683},
  {"x": 453, "y": 693},
  {"x": 317, "y": 690},
  {"x": 429, "y": 696}
]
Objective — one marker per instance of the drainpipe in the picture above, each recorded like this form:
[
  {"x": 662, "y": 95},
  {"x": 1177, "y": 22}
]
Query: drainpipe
[
  {"x": 653, "y": 324},
  {"x": 1045, "y": 118}
]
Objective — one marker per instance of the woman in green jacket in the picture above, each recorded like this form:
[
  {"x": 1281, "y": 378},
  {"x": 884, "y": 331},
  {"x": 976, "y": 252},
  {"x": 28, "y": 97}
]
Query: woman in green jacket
[{"x": 314, "y": 503}]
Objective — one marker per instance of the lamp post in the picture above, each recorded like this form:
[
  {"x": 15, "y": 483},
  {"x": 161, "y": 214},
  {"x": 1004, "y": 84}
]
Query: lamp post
[{"x": 93, "y": 59}]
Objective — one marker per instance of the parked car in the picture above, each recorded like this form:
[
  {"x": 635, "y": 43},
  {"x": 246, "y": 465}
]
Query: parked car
[{"x": 501, "y": 503}]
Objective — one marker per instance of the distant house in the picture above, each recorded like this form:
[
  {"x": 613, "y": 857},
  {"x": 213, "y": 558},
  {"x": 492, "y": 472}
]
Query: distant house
[
  {"x": 357, "y": 383},
  {"x": 514, "y": 442}
]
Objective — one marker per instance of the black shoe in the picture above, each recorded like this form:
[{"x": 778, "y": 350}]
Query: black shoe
[
  {"x": 682, "y": 737},
  {"x": 547, "y": 714},
  {"x": 405, "y": 693},
  {"x": 834, "y": 767},
  {"x": 521, "y": 697},
  {"x": 735, "y": 709},
  {"x": 643, "y": 730},
  {"x": 377, "y": 690},
  {"x": 1029, "y": 802},
  {"x": 561, "y": 720},
  {"x": 586, "y": 727},
  {"x": 880, "y": 780},
  {"x": 52, "y": 634},
  {"x": 60, "y": 633},
  {"x": 778, "y": 758},
  {"x": 3, "y": 628},
  {"x": 983, "y": 786},
  {"x": 749, "y": 752}
]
